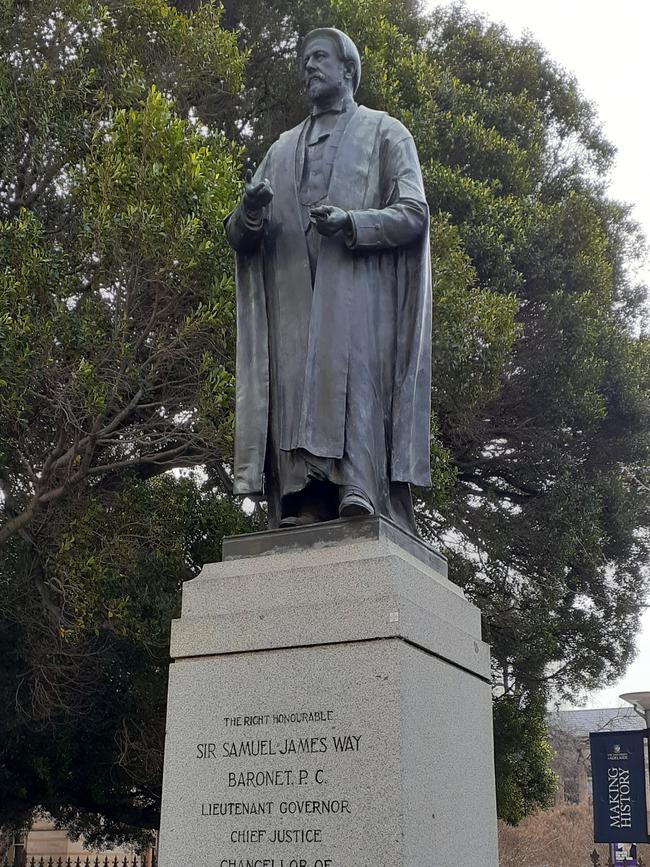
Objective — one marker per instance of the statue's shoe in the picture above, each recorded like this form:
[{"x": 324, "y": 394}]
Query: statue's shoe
[{"x": 355, "y": 503}]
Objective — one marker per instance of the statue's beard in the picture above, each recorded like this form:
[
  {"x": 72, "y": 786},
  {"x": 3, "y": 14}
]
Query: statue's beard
[{"x": 319, "y": 89}]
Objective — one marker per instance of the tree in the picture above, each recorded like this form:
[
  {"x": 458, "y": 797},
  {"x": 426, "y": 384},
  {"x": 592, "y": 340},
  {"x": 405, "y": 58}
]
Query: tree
[
  {"x": 115, "y": 270},
  {"x": 541, "y": 366},
  {"x": 522, "y": 758},
  {"x": 116, "y": 293},
  {"x": 84, "y": 722},
  {"x": 116, "y": 364}
]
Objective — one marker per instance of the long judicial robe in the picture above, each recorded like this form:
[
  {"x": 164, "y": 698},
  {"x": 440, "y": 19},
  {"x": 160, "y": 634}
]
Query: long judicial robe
[{"x": 336, "y": 374}]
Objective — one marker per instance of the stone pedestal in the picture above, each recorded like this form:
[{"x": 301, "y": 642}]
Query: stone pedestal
[{"x": 329, "y": 706}]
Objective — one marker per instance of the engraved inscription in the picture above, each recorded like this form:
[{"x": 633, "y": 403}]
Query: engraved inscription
[{"x": 242, "y": 765}]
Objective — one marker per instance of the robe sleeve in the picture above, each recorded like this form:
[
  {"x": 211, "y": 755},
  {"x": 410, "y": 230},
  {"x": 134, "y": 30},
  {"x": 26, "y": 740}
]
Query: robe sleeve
[
  {"x": 244, "y": 229},
  {"x": 405, "y": 216}
]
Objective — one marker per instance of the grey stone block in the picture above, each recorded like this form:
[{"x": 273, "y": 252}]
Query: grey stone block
[{"x": 392, "y": 764}]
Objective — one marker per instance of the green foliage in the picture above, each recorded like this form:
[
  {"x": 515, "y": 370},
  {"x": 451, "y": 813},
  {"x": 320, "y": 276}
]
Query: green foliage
[
  {"x": 116, "y": 364},
  {"x": 108, "y": 327},
  {"x": 85, "y": 739},
  {"x": 117, "y": 284},
  {"x": 522, "y": 758}
]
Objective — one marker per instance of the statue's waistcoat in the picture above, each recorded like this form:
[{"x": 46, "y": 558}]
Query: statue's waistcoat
[{"x": 315, "y": 159}]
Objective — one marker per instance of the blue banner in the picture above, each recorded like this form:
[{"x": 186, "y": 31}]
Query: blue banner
[{"x": 619, "y": 786}]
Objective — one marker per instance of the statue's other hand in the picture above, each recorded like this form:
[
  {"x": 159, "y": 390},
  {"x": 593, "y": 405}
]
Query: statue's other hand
[
  {"x": 258, "y": 195},
  {"x": 329, "y": 219}
]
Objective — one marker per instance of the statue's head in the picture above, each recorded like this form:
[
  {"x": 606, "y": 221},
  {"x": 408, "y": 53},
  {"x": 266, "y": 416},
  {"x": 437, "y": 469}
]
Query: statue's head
[{"x": 330, "y": 64}]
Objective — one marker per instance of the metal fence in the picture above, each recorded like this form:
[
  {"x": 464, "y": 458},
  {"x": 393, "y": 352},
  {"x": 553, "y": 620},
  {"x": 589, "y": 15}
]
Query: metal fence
[
  {"x": 54, "y": 861},
  {"x": 136, "y": 861}
]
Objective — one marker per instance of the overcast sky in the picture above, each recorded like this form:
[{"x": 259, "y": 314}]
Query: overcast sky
[{"x": 605, "y": 45}]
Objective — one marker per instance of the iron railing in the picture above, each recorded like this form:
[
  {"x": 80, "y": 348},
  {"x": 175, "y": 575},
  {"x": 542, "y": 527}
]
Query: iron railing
[{"x": 78, "y": 861}]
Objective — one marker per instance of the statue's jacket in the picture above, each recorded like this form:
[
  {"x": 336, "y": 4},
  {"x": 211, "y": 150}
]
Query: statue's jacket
[{"x": 369, "y": 306}]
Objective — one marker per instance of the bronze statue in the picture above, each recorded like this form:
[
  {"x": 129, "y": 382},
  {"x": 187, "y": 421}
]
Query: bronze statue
[{"x": 333, "y": 308}]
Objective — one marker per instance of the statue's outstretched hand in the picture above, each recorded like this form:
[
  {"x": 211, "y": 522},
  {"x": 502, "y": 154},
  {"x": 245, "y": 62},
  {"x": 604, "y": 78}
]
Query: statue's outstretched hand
[
  {"x": 329, "y": 219},
  {"x": 256, "y": 196}
]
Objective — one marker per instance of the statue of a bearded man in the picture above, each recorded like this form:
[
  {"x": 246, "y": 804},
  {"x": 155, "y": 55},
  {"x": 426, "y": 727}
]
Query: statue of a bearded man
[{"x": 333, "y": 309}]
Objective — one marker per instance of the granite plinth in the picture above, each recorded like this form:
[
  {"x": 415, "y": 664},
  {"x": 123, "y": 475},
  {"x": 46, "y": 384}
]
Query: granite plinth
[{"x": 329, "y": 706}]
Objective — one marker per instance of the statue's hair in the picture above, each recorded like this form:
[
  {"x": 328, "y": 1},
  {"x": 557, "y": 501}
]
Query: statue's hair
[{"x": 348, "y": 51}]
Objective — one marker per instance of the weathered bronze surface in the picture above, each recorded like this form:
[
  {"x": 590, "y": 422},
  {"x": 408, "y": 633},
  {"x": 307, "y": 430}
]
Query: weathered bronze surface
[
  {"x": 333, "y": 309},
  {"x": 327, "y": 534}
]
